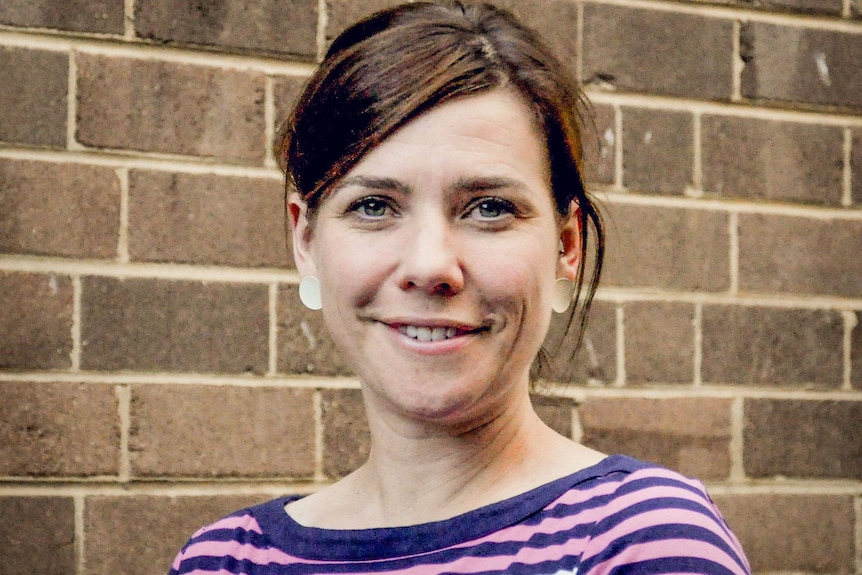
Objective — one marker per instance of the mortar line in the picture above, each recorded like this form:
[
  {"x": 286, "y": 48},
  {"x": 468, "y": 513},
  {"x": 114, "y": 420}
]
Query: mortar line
[
  {"x": 80, "y": 548},
  {"x": 847, "y": 12},
  {"x": 123, "y": 235},
  {"x": 269, "y": 122},
  {"x": 124, "y": 402},
  {"x": 698, "y": 345},
  {"x": 737, "y": 440},
  {"x": 322, "y": 24},
  {"x": 696, "y": 189},
  {"x": 847, "y": 195},
  {"x": 850, "y": 322},
  {"x": 129, "y": 20},
  {"x": 733, "y": 256},
  {"x": 75, "y": 355},
  {"x": 618, "y": 148},
  {"x": 621, "y": 347},
  {"x": 273, "y": 329},
  {"x": 72, "y": 104},
  {"x": 737, "y": 65},
  {"x": 197, "y": 379},
  {"x": 577, "y": 426},
  {"x": 318, "y": 437}
]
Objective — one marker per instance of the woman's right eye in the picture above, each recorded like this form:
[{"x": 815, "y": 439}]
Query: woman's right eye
[{"x": 372, "y": 207}]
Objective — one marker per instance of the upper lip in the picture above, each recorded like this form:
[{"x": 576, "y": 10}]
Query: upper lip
[{"x": 461, "y": 326}]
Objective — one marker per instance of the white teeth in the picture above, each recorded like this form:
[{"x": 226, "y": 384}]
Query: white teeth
[{"x": 423, "y": 333}]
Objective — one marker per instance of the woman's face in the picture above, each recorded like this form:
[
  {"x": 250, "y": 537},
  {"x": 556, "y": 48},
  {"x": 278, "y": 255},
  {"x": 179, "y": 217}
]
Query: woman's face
[{"x": 437, "y": 255}]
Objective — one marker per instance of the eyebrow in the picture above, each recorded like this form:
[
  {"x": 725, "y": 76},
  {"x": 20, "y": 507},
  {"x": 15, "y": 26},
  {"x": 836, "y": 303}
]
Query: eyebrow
[{"x": 475, "y": 184}]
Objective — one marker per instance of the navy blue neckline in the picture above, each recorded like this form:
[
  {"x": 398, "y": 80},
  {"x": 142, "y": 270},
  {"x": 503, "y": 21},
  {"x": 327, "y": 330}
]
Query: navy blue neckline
[{"x": 390, "y": 542}]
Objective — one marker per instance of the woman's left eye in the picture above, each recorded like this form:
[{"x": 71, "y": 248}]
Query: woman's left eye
[{"x": 491, "y": 209}]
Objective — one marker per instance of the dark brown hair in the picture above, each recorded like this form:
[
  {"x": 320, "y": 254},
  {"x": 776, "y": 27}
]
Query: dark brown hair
[{"x": 391, "y": 67}]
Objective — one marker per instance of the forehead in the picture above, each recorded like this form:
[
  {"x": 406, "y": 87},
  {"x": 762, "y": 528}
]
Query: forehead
[{"x": 493, "y": 133}]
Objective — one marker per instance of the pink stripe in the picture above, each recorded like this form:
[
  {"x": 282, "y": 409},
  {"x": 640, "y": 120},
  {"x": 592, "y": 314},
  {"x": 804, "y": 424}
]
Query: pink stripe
[
  {"x": 247, "y": 522},
  {"x": 669, "y": 548},
  {"x": 246, "y": 551}
]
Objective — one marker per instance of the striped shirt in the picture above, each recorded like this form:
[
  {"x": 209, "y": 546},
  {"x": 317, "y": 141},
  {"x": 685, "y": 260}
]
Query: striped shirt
[{"x": 619, "y": 516}]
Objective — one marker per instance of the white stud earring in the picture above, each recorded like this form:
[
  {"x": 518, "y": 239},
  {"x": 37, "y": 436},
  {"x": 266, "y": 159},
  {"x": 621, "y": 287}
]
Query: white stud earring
[
  {"x": 309, "y": 293},
  {"x": 564, "y": 291}
]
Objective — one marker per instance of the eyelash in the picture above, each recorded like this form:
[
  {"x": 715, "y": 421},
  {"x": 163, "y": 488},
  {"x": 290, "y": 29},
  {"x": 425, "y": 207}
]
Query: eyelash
[
  {"x": 361, "y": 204},
  {"x": 503, "y": 206}
]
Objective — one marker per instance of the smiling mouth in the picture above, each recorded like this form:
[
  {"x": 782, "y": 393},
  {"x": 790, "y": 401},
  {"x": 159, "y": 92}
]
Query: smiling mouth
[{"x": 425, "y": 333}]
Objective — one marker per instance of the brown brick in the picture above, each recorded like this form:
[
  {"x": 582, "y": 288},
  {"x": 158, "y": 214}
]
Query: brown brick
[
  {"x": 659, "y": 342},
  {"x": 824, "y": 7},
  {"x": 346, "y": 438},
  {"x": 657, "y": 150},
  {"x": 304, "y": 344},
  {"x": 161, "y": 325},
  {"x": 98, "y": 16},
  {"x": 171, "y": 108},
  {"x": 800, "y": 255},
  {"x": 599, "y": 136},
  {"x": 201, "y": 431},
  {"x": 690, "y": 435},
  {"x": 58, "y": 429},
  {"x": 772, "y": 346},
  {"x": 280, "y": 26},
  {"x": 797, "y": 64},
  {"x": 856, "y": 353},
  {"x": 33, "y": 97},
  {"x": 595, "y": 359},
  {"x": 141, "y": 535},
  {"x": 343, "y": 13},
  {"x": 206, "y": 219},
  {"x": 555, "y": 412},
  {"x": 667, "y": 248},
  {"x": 58, "y": 209},
  {"x": 793, "y": 533},
  {"x": 803, "y": 438},
  {"x": 286, "y": 90},
  {"x": 771, "y": 160},
  {"x": 658, "y": 52},
  {"x": 38, "y": 535},
  {"x": 36, "y": 321}
]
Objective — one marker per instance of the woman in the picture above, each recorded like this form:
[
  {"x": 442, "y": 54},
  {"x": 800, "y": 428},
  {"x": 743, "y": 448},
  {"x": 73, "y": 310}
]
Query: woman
[{"x": 438, "y": 217}]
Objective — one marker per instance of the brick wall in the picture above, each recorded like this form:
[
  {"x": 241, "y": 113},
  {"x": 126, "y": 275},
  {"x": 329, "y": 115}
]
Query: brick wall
[{"x": 156, "y": 370}]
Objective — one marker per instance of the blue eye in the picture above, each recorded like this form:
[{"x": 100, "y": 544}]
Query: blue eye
[
  {"x": 371, "y": 207},
  {"x": 491, "y": 209}
]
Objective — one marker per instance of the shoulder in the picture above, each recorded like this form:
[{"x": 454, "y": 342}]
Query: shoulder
[
  {"x": 652, "y": 519},
  {"x": 238, "y": 537}
]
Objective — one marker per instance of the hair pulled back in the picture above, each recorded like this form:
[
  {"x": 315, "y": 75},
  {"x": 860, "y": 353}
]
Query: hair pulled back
[{"x": 393, "y": 66}]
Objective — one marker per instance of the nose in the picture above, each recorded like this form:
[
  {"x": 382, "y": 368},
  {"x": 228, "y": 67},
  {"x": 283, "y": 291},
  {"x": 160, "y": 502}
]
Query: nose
[{"x": 430, "y": 261}]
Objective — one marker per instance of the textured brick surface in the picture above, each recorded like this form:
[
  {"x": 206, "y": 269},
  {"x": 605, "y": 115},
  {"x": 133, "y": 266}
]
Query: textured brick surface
[
  {"x": 58, "y": 429},
  {"x": 793, "y": 533},
  {"x": 286, "y": 90},
  {"x": 690, "y": 435},
  {"x": 595, "y": 360},
  {"x": 599, "y": 136},
  {"x": 666, "y": 248},
  {"x": 856, "y": 353},
  {"x": 36, "y": 321},
  {"x": 826, "y": 7},
  {"x": 33, "y": 97},
  {"x": 171, "y": 108},
  {"x": 100, "y": 16},
  {"x": 304, "y": 344},
  {"x": 199, "y": 431},
  {"x": 141, "y": 535},
  {"x": 343, "y": 13},
  {"x": 657, "y": 150},
  {"x": 206, "y": 219},
  {"x": 38, "y": 535},
  {"x": 346, "y": 438},
  {"x": 285, "y": 26},
  {"x": 798, "y": 64},
  {"x": 800, "y": 255},
  {"x": 856, "y": 167},
  {"x": 556, "y": 412},
  {"x": 659, "y": 342},
  {"x": 799, "y": 438},
  {"x": 772, "y": 346},
  {"x": 159, "y": 325},
  {"x": 657, "y": 52},
  {"x": 774, "y": 161},
  {"x": 58, "y": 209}
]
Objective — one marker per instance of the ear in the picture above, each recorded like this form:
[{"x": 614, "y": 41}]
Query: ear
[
  {"x": 300, "y": 229},
  {"x": 570, "y": 242}
]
